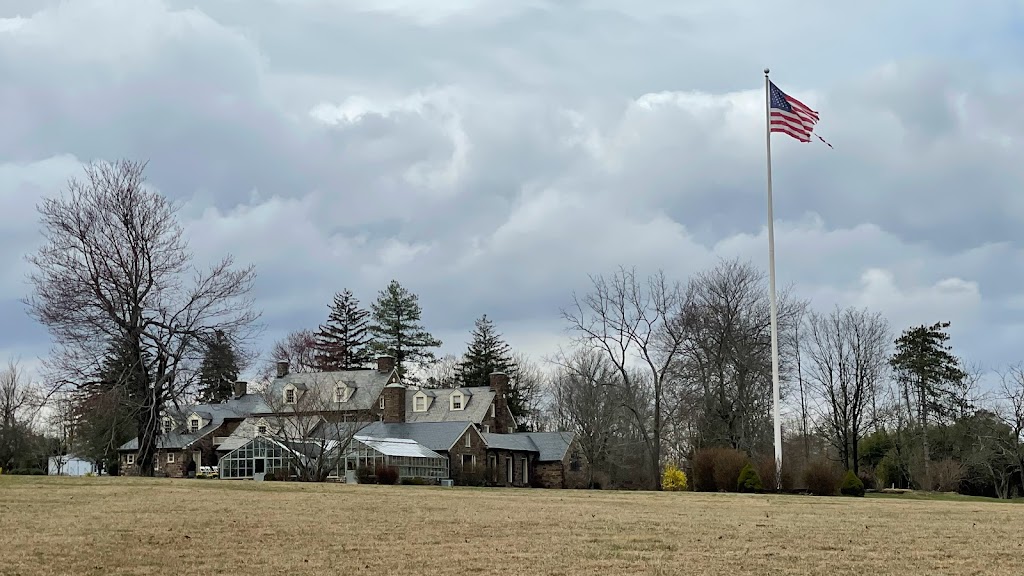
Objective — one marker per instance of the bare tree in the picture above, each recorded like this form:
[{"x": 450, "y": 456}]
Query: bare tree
[
  {"x": 442, "y": 373},
  {"x": 298, "y": 349},
  {"x": 586, "y": 400},
  {"x": 632, "y": 322},
  {"x": 526, "y": 392},
  {"x": 1010, "y": 410},
  {"x": 63, "y": 424},
  {"x": 306, "y": 422},
  {"x": 19, "y": 406},
  {"x": 114, "y": 267},
  {"x": 848, "y": 353},
  {"x": 725, "y": 355}
]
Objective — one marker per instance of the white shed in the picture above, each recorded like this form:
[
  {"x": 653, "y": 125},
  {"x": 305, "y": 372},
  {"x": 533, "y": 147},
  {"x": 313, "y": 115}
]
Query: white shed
[{"x": 69, "y": 465}]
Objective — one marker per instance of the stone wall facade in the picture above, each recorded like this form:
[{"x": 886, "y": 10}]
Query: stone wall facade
[{"x": 476, "y": 453}]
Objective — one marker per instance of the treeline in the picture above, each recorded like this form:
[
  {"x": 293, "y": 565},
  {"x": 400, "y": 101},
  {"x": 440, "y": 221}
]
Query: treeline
[{"x": 671, "y": 373}]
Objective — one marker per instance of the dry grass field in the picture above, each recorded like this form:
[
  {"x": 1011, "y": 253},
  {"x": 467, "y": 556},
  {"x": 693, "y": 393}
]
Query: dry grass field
[{"x": 143, "y": 526}]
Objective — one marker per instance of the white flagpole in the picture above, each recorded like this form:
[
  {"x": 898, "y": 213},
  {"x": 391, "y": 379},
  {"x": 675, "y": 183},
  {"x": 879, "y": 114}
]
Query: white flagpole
[{"x": 771, "y": 286}]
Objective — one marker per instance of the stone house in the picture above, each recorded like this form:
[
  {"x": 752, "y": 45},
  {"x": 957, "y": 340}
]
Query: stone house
[{"x": 471, "y": 426}]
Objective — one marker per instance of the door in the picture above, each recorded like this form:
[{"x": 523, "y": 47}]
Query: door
[
  {"x": 261, "y": 465},
  {"x": 508, "y": 469}
]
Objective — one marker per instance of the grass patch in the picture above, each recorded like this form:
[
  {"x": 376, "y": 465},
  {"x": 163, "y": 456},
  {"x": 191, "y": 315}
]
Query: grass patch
[
  {"x": 939, "y": 497},
  {"x": 162, "y": 526}
]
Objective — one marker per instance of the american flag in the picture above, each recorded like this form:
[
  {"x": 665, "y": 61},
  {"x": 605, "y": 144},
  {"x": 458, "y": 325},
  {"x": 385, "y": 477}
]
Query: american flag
[{"x": 791, "y": 116}]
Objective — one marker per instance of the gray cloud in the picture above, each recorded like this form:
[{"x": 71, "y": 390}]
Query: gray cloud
[{"x": 491, "y": 157}]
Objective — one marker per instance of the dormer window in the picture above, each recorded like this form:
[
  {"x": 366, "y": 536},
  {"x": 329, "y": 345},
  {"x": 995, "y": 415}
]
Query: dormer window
[
  {"x": 342, "y": 393},
  {"x": 458, "y": 401},
  {"x": 261, "y": 429},
  {"x": 193, "y": 425},
  {"x": 419, "y": 403},
  {"x": 289, "y": 396},
  {"x": 168, "y": 425}
]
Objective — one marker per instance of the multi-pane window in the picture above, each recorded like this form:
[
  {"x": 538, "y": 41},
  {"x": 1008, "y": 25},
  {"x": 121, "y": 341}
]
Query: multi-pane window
[
  {"x": 130, "y": 459},
  {"x": 456, "y": 401},
  {"x": 261, "y": 430},
  {"x": 167, "y": 426},
  {"x": 289, "y": 396},
  {"x": 419, "y": 404},
  {"x": 193, "y": 425},
  {"x": 170, "y": 457}
]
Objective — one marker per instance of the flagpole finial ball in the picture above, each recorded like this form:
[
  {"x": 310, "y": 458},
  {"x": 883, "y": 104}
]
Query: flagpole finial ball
[{"x": 766, "y": 71}]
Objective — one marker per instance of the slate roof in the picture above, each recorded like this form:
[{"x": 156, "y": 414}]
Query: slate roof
[
  {"x": 551, "y": 445},
  {"x": 518, "y": 442},
  {"x": 476, "y": 404},
  {"x": 437, "y": 436},
  {"x": 216, "y": 414},
  {"x": 368, "y": 386}
]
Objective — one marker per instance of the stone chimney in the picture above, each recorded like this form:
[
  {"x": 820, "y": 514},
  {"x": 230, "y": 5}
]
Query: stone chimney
[
  {"x": 240, "y": 388},
  {"x": 394, "y": 403},
  {"x": 503, "y": 423},
  {"x": 282, "y": 368},
  {"x": 385, "y": 364}
]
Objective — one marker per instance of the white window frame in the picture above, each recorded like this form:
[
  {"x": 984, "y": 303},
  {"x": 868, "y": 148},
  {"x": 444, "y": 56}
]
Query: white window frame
[
  {"x": 170, "y": 457},
  {"x": 469, "y": 440},
  {"x": 130, "y": 459},
  {"x": 289, "y": 395},
  {"x": 461, "y": 398},
  {"x": 486, "y": 428},
  {"x": 261, "y": 429},
  {"x": 382, "y": 402},
  {"x": 419, "y": 403},
  {"x": 526, "y": 471},
  {"x": 492, "y": 410},
  {"x": 168, "y": 425},
  {"x": 194, "y": 424}
]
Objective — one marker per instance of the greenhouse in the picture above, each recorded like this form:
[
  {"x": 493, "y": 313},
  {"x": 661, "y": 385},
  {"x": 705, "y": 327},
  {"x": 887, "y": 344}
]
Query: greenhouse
[
  {"x": 409, "y": 458},
  {"x": 254, "y": 459}
]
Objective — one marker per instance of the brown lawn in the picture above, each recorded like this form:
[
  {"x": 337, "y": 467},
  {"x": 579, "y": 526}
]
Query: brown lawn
[{"x": 144, "y": 526}]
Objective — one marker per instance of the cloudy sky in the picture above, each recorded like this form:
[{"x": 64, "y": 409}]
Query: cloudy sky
[{"x": 491, "y": 154}]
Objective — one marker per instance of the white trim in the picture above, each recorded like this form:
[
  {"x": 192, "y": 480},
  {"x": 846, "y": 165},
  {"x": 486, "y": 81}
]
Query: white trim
[
  {"x": 382, "y": 402},
  {"x": 130, "y": 458},
  {"x": 419, "y": 397},
  {"x": 198, "y": 423},
  {"x": 461, "y": 398},
  {"x": 170, "y": 457},
  {"x": 294, "y": 394},
  {"x": 492, "y": 409}
]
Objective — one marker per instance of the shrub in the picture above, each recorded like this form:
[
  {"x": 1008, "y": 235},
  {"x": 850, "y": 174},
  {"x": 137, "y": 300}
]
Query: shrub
[
  {"x": 821, "y": 478},
  {"x": 387, "y": 475},
  {"x": 729, "y": 462},
  {"x": 851, "y": 486},
  {"x": 946, "y": 475},
  {"x": 868, "y": 478},
  {"x": 704, "y": 471},
  {"x": 749, "y": 480},
  {"x": 674, "y": 479},
  {"x": 364, "y": 474},
  {"x": 717, "y": 469},
  {"x": 765, "y": 468}
]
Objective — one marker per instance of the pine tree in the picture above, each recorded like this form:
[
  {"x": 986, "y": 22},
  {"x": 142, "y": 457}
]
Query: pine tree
[
  {"x": 396, "y": 328},
  {"x": 930, "y": 377},
  {"x": 487, "y": 352},
  {"x": 219, "y": 370},
  {"x": 341, "y": 344}
]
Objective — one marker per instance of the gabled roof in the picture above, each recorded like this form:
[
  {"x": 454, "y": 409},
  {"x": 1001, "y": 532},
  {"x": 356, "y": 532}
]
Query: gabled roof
[
  {"x": 517, "y": 442},
  {"x": 475, "y": 405},
  {"x": 367, "y": 384},
  {"x": 437, "y": 436},
  {"x": 551, "y": 445},
  {"x": 214, "y": 414}
]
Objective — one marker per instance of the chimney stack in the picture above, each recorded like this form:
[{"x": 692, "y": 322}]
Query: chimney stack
[
  {"x": 241, "y": 388},
  {"x": 503, "y": 423},
  {"x": 394, "y": 403},
  {"x": 282, "y": 368},
  {"x": 385, "y": 364}
]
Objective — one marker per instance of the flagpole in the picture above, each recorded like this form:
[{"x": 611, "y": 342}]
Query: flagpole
[{"x": 771, "y": 286}]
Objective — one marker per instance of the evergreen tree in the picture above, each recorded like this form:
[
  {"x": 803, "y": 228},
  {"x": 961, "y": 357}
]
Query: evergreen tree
[
  {"x": 341, "y": 344},
  {"x": 487, "y": 353},
  {"x": 396, "y": 327},
  {"x": 219, "y": 369},
  {"x": 930, "y": 377}
]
